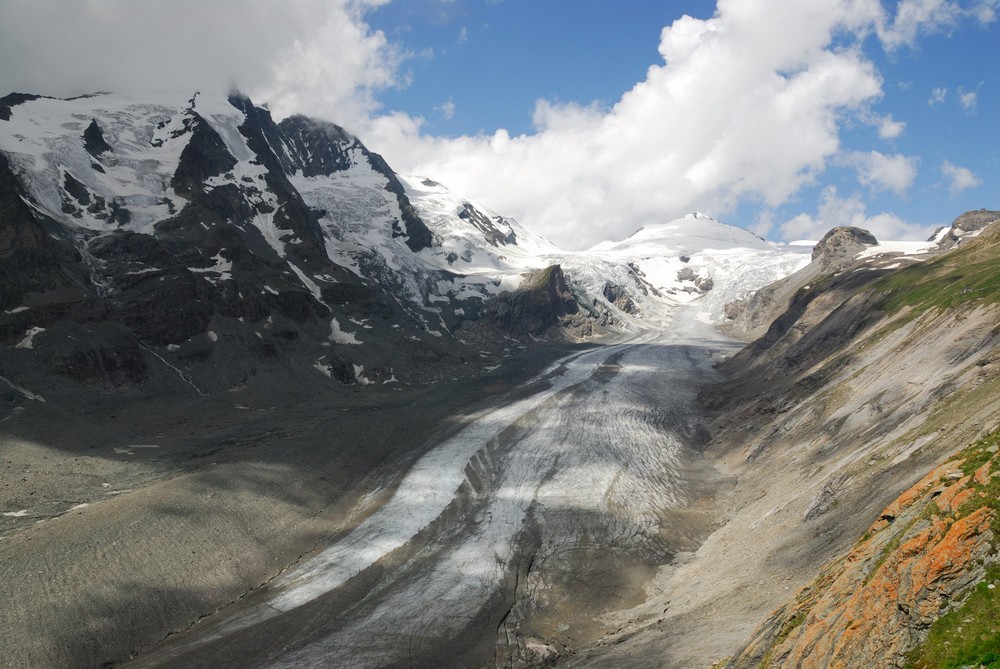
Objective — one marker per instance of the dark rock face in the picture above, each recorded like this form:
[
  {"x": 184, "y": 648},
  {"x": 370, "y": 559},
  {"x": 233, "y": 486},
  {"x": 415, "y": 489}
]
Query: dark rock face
[
  {"x": 318, "y": 148},
  {"x": 841, "y": 244},
  {"x": 418, "y": 235},
  {"x": 701, "y": 283},
  {"x": 536, "y": 307},
  {"x": 484, "y": 224},
  {"x": 103, "y": 354},
  {"x": 204, "y": 156},
  {"x": 12, "y": 100},
  {"x": 93, "y": 140},
  {"x": 291, "y": 213},
  {"x": 619, "y": 297},
  {"x": 31, "y": 259}
]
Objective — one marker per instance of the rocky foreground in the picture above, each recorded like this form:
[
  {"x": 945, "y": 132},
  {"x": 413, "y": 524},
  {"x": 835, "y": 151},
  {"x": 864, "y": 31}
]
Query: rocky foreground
[{"x": 932, "y": 550}]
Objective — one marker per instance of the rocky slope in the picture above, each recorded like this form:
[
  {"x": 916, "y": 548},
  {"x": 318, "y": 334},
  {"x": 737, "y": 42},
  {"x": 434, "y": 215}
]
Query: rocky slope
[
  {"x": 913, "y": 382},
  {"x": 916, "y": 566},
  {"x": 877, "y": 369}
]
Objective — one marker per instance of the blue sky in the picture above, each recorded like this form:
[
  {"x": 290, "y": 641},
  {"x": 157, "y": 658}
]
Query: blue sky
[
  {"x": 587, "y": 119},
  {"x": 494, "y": 60},
  {"x": 475, "y": 66}
]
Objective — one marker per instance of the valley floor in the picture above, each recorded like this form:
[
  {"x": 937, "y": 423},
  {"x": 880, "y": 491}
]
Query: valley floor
[
  {"x": 497, "y": 522},
  {"x": 509, "y": 539},
  {"x": 125, "y": 520}
]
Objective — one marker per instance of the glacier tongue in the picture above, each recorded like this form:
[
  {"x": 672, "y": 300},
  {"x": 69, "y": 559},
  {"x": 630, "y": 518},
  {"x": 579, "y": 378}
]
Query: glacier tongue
[{"x": 563, "y": 496}]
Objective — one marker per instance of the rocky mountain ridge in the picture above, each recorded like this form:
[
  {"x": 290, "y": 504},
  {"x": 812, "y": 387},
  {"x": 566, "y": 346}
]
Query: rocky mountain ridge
[{"x": 197, "y": 245}]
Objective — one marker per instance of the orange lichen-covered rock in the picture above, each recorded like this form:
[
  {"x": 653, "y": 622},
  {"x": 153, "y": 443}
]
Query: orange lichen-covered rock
[
  {"x": 869, "y": 608},
  {"x": 920, "y": 489},
  {"x": 944, "y": 500},
  {"x": 982, "y": 475},
  {"x": 961, "y": 498}
]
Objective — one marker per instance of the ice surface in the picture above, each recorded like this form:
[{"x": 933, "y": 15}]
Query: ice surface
[
  {"x": 599, "y": 453},
  {"x": 904, "y": 248},
  {"x": 43, "y": 139}
]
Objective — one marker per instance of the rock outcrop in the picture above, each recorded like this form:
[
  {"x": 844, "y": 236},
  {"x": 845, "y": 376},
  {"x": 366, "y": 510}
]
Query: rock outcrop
[
  {"x": 538, "y": 306},
  {"x": 918, "y": 561},
  {"x": 841, "y": 245},
  {"x": 966, "y": 225}
]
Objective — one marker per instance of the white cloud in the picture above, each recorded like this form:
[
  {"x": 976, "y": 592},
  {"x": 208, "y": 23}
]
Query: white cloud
[
  {"x": 744, "y": 108},
  {"x": 938, "y": 96},
  {"x": 300, "y": 54},
  {"x": 960, "y": 178},
  {"x": 883, "y": 172},
  {"x": 914, "y": 18},
  {"x": 887, "y": 126},
  {"x": 834, "y": 211},
  {"x": 969, "y": 101},
  {"x": 985, "y": 12},
  {"x": 447, "y": 109}
]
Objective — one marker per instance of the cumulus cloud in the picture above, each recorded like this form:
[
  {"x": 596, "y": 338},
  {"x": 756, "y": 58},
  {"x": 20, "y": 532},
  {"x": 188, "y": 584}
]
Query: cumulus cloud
[
  {"x": 889, "y": 128},
  {"x": 884, "y": 172},
  {"x": 938, "y": 96},
  {"x": 959, "y": 178},
  {"x": 834, "y": 210},
  {"x": 297, "y": 53},
  {"x": 969, "y": 101},
  {"x": 743, "y": 108},
  {"x": 914, "y": 18}
]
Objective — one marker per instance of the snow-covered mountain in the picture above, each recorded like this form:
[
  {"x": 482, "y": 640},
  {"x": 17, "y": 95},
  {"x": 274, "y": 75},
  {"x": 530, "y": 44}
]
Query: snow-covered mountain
[{"x": 197, "y": 242}]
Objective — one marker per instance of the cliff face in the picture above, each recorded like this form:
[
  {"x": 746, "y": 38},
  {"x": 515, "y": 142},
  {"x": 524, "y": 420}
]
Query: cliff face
[{"x": 543, "y": 306}]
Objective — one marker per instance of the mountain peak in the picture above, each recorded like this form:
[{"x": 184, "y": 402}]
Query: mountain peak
[{"x": 691, "y": 233}]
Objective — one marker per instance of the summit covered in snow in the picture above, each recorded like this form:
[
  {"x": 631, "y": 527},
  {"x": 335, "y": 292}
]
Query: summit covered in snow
[{"x": 197, "y": 234}]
